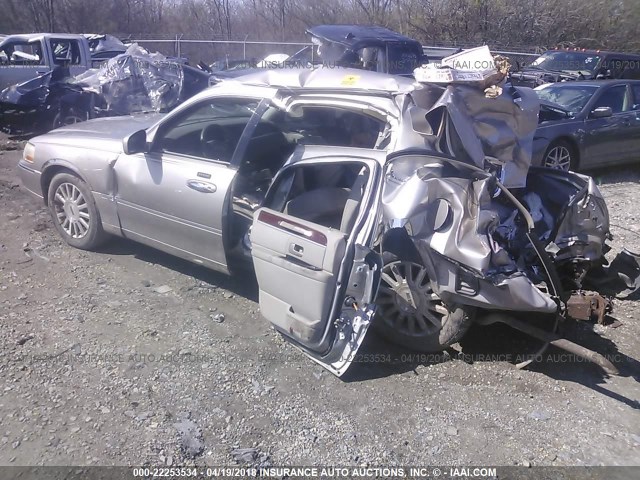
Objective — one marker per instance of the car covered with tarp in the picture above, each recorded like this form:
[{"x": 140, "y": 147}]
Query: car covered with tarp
[{"x": 132, "y": 82}]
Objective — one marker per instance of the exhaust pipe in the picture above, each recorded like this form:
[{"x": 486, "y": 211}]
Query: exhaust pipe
[{"x": 551, "y": 339}]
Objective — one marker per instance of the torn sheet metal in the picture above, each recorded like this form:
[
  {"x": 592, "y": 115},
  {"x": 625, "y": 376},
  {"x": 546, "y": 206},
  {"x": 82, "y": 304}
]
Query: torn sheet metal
[
  {"x": 500, "y": 127},
  {"x": 478, "y": 113},
  {"x": 475, "y": 241}
]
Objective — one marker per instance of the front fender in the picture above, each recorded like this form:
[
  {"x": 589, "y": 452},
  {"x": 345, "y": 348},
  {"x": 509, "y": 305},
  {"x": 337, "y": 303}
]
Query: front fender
[{"x": 56, "y": 165}]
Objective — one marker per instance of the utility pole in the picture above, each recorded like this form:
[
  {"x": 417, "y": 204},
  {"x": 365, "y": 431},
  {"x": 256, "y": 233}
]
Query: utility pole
[{"x": 52, "y": 20}]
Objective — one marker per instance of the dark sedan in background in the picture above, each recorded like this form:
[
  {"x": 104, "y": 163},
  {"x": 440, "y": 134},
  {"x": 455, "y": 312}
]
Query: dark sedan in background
[{"x": 588, "y": 124}]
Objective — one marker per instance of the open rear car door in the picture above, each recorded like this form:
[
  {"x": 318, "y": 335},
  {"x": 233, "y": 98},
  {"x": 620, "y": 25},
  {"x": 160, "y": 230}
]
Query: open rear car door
[{"x": 311, "y": 248}]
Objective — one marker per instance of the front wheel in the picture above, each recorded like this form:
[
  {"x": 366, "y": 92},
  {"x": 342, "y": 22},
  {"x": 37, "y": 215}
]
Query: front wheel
[
  {"x": 74, "y": 212},
  {"x": 411, "y": 314},
  {"x": 561, "y": 156},
  {"x": 69, "y": 116}
]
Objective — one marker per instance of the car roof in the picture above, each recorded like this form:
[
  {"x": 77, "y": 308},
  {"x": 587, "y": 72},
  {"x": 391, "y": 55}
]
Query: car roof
[
  {"x": 327, "y": 78},
  {"x": 354, "y": 35}
]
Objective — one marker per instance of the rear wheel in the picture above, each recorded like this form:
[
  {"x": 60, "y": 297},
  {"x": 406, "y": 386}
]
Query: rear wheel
[
  {"x": 411, "y": 314},
  {"x": 561, "y": 156},
  {"x": 74, "y": 212}
]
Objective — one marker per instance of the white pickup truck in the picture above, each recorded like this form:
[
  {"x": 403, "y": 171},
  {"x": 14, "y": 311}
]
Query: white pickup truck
[{"x": 23, "y": 57}]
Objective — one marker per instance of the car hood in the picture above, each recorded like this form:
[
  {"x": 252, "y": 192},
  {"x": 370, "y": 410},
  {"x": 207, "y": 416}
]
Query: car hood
[{"x": 101, "y": 133}]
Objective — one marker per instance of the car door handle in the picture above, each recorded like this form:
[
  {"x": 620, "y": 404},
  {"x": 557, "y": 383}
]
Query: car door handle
[
  {"x": 294, "y": 228},
  {"x": 295, "y": 249},
  {"x": 200, "y": 186}
]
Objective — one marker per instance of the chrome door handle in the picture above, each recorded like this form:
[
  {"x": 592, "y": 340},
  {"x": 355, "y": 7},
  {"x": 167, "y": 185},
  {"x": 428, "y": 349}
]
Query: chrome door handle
[
  {"x": 295, "y": 228},
  {"x": 200, "y": 186}
]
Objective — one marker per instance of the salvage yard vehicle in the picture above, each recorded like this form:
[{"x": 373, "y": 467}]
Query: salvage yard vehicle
[
  {"x": 360, "y": 46},
  {"x": 360, "y": 198},
  {"x": 27, "y": 56},
  {"x": 561, "y": 65},
  {"x": 131, "y": 82},
  {"x": 588, "y": 124}
]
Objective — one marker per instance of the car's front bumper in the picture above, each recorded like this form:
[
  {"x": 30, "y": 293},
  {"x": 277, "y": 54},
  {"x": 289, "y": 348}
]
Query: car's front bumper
[{"x": 30, "y": 178}]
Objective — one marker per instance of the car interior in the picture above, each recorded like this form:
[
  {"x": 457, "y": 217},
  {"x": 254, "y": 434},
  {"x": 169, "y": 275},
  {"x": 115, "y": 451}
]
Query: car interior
[
  {"x": 22, "y": 53},
  {"x": 275, "y": 139},
  {"x": 65, "y": 52}
]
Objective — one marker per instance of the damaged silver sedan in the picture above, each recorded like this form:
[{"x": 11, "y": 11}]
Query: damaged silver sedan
[{"x": 360, "y": 198}]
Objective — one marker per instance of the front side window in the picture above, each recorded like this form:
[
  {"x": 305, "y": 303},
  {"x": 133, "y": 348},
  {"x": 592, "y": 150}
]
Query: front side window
[
  {"x": 22, "y": 53},
  {"x": 209, "y": 130},
  {"x": 614, "y": 97},
  {"x": 636, "y": 95}
]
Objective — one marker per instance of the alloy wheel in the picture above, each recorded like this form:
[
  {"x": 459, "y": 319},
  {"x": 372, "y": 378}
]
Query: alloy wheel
[
  {"x": 407, "y": 302},
  {"x": 558, "y": 157},
  {"x": 72, "y": 211}
]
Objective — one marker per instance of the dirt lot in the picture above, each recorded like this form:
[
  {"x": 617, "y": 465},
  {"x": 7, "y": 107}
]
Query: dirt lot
[{"x": 98, "y": 367}]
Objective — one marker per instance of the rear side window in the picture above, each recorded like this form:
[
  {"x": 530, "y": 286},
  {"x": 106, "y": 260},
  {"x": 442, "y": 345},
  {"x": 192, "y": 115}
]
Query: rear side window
[
  {"x": 614, "y": 97},
  {"x": 65, "y": 52},
  {"x": 326, "y": 125}
]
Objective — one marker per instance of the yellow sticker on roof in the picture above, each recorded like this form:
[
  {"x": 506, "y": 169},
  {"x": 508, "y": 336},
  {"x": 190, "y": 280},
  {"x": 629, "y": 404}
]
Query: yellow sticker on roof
[{"x": 349, "y": 80}]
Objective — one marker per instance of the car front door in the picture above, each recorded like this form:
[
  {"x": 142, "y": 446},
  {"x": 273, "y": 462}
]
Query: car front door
[
  {"x": 311, "y": 248},
  {"x": 606, "y": 139},
  {"x": 21, "y": 61},
  {"x": 175, "y": 196}
]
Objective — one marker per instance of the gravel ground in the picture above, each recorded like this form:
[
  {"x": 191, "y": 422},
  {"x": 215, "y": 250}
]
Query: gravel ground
[{"x": 130, "y": 356}]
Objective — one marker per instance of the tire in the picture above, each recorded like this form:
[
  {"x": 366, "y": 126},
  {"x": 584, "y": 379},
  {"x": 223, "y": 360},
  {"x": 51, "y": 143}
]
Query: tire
[
  {"x": 74, "y": 212},
  {"x": 410, "y": 314},
  {"x": 560, "y": 155},
  {"x": 69, "y": 116}
]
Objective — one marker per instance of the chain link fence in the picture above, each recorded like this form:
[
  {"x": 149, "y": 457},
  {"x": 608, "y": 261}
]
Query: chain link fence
[{"x": 210, "y": 50}]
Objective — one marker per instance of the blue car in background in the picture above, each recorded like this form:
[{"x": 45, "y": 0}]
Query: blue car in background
[{"x": 588, "y": 124}]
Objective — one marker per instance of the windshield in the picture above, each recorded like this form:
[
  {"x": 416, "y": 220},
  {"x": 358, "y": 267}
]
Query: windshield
[
  {"x": 567, "y": 61},
  {"x": 571, "y": 97}
]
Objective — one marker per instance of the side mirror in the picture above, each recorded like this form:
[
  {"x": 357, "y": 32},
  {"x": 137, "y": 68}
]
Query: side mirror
[
  {"x": 135, "y": 143},
  {"x": 601, "y": 112}
]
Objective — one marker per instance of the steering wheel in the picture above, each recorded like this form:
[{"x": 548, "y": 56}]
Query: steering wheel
[{"x": 215, "y": 143}]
